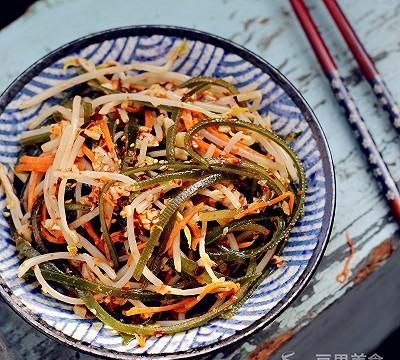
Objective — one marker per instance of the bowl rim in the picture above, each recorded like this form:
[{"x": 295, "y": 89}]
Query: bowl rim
[{"x": 328, "y": 167}]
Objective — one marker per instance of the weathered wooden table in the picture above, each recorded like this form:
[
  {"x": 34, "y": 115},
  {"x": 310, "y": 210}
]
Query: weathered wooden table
[{"x": 311, "y": 325}]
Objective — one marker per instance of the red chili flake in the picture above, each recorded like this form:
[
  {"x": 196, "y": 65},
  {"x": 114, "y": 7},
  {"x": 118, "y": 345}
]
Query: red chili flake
[{"x": 233, "y": 298}]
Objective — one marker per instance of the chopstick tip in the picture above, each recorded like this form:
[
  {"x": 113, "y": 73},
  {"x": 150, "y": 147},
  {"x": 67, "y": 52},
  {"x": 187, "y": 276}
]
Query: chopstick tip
[{"x": 395, "y": 206}]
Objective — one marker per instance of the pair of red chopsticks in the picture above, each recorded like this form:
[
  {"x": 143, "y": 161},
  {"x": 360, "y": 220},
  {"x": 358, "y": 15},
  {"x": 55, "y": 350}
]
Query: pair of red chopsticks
[{"x": 343, "y": 96}]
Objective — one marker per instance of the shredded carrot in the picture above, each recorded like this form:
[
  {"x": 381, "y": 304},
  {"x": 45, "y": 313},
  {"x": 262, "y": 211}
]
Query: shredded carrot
[
  {"x": 224, "y": 294},
  {"x": 80, "y": 164},
  {"x": 263, "y": 204},
  {"x": 51, "y": 237},
  {"x": 245, "y": 244},
  {"x": 198, "y": 116},
  {"x": 344, "y": 275},
  {"x": 91, "y": 231},
  {"x": 107, "y": 137},
  {"x": 238, "y": 145},
  {"x": 219, "y": 287},
  {"x": 195, "y": 242},
  {"x": 141, "y": 245},
  {"x": 34, "y": 181},
  {"x": 196, "y": 233},
  {"x": 130, "y": 260},
  {"x": 33, "y": 167},
  {"x": 45, "y": 159},
  {"x": 148, "y": 118},
  {"x": 34, "y": 163},
  {"x": 187, "y": 119},
  {"x": 203, "y": 146},
  {"x": 98, "y": 241},
  {"x": 180, "y": 225},
  {"x": 89, "y": 153},
  {"x": 195, "y": 228},
  {"x": 157, "y": 309},
  {"x": 187, "y": 306}
]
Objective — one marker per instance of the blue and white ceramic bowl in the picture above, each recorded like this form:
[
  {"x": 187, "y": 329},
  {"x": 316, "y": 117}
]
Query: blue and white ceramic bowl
[{"x": 208, "y": 55}]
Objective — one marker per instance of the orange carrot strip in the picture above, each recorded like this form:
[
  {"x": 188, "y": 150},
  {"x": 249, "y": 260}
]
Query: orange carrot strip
[
  {"x": 80, "y": 164},
  {"x": 195, "y": 242},
  {"x": 35, "y": 178},
  {"x": 195, "y": 228},
  {"x": 89, "y": 153},
  {"x": 245, "y": 244},
  {"x": 91, "y": 231},
  {"x": 141, "y": 245},
  {"x": 148, "y": 118},
  {"x": 107, "y": 137},
  {"x": 239, "y": 144},
  {"x": 157, "y": 309},
  {"x": 187, "y": 119},
  {"x": 203, "y": 147},
  {"x": 198, "y": 116},
  {"x": 47, "y": 159},
  {"x": 51, "y": 237},
  {"x": 31, "y": 167},
  {"x": 224, "y": 294},
  {"x": 186, "y": 307},
  {"x": 344, "y": 275},
  {"x": 218, "y": 287},
  {"x": 180, "y": 225},
  {"x": 196, "y": 232},
  {"x": 263, "y": 204},
  {"x": 34, "y": 163}
]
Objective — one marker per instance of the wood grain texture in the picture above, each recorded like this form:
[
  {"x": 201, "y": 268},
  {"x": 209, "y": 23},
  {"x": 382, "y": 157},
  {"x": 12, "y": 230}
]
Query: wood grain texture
[{"x": 271, "y": 30}]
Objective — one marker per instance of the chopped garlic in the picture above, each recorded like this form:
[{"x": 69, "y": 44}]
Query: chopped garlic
[
  {"x": 181, "y": 154},
  {"x": 180, "y": 139},
  {"x": 95, "y": 135}
]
